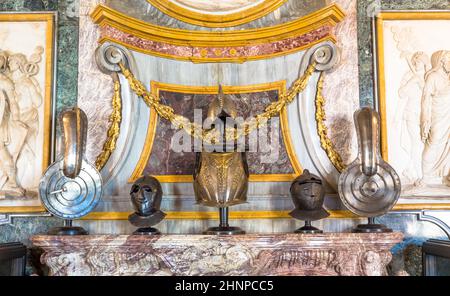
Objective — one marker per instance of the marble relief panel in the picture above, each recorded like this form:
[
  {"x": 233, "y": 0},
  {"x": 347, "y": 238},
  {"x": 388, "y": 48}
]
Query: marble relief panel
[
  {"x": 164, "y": 161},
  {"x": 26, "y": 99},
  {"x": 414, "y": 102}
]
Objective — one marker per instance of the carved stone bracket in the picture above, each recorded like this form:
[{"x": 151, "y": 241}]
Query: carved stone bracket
[
  {"x": 325, "y": 54},
  {"x": 272, "y": 254},
  {"x": 312, "y": 114},
  {"x": 108, "y": 56}
]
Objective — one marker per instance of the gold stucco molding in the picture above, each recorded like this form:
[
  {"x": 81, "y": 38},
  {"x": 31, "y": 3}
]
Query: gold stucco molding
[
  {"x": 217, "y": 46},
  {"x": 245, "y": 215},
  {"x": 330, "y": 15},
  {"x": 211, "y": 20},
  {"x": 322, "y": 129},
  {"x": 114, "y": 129}
]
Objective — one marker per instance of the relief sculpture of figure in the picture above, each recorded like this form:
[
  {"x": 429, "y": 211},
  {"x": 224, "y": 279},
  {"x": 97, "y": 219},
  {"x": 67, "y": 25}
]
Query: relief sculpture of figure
[
  {"x": 10, "y": 146},
  {"x": 29, "y": 99},
  {"x": 407, "y": 117},
  {"x": 435, "y": 121}
]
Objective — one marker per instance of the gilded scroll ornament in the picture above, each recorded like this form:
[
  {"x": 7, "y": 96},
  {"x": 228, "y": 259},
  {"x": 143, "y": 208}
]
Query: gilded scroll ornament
[
  {"x": 114, "y": 129},
  {"x": 212, "y": 136},
  {"x": 322, "y": 129}
]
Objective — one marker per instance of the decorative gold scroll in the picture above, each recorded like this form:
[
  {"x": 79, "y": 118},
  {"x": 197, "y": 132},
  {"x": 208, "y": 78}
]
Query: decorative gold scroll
[
  {"x": 322, "y": 129},
  {"x": 214, "y": 20},
  {"x": 114, "y": 129},
  {"x": 212, "y": 136}
]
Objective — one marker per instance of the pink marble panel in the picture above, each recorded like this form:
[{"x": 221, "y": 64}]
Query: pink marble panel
[
  {"x": 250, "y": 51},
  {"x": 164, "y": 161}
]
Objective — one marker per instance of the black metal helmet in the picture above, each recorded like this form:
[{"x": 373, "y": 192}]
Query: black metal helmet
[
  {"x": 146, "y": 195},
  {"x": 308, "y": 193}
]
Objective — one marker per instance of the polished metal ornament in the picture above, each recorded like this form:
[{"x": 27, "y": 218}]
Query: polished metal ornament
[
  {"x": 70, "y": 198},
  {"x": 71, "y": 187},
  {"x": 369, "y": 186}
]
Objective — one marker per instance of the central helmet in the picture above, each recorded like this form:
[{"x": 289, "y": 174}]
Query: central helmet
[{"x": 221, "y": 178}]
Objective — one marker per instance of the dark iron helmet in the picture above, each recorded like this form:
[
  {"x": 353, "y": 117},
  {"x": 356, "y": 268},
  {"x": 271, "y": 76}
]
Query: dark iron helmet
[
  {"x": 308, "y": 193},
  {"x": 146, "y": 195}
]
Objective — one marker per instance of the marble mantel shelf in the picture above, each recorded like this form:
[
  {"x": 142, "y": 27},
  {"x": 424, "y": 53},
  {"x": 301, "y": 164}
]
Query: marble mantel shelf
[{"x": 251, "y": 254}]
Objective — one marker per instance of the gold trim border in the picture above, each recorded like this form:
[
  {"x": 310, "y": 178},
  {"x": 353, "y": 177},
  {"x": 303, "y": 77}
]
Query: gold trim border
[
  {"x": 280, "y": 86},
  {"x": 394, "y": 16},
  {"x": 330, "y": 15},
  {"x": 49, "y": 19},
  {"x": 216, "y": 21},
  {"x": 248, "y": 215}
]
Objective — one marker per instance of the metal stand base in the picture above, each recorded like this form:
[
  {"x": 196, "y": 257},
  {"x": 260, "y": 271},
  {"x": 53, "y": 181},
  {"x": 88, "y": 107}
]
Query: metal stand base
[
  {"x": 308, "y": 229},
  {"x": 223, "y": 228},
  {"x": 371, "y": 227},
  {"x": 147, "y": 231},
  {"x": 224, "y": 231},
  {"x": 68, "y": 230}
]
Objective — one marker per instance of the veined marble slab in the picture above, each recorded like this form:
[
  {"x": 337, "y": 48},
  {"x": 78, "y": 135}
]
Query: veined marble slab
[{"x": 255, "y": 254}]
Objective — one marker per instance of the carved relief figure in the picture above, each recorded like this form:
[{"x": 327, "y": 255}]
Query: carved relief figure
[
  {"x": 418, "y": 102},
  {"x": 435, "y": 121},
  {"x": 9, "y": 119},
  {"x": 20, "y": 98},
  {"x": 408, "y": 112},
  {"x": 29, "y": 95}
]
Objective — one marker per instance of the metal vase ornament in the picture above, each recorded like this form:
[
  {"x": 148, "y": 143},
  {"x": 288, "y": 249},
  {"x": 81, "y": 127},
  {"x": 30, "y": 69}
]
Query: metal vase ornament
[
  {"x": 369, "y": 186},
  {"x": 71, "y": 187}
]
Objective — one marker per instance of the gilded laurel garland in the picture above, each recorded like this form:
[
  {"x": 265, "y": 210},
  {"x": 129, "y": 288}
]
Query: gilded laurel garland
[
  {"x": 114, "y": 130},
  {"x": 322, "y": 129},
  {"x": 213, "y": 136}
]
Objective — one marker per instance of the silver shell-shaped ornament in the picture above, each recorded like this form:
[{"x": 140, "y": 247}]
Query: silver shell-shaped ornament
[
  {"x": 71, "y": 187},
  {"x": 369, "y": 186}
]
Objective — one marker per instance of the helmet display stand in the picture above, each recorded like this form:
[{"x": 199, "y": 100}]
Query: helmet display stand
[{"x": 224, "y": 228}]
